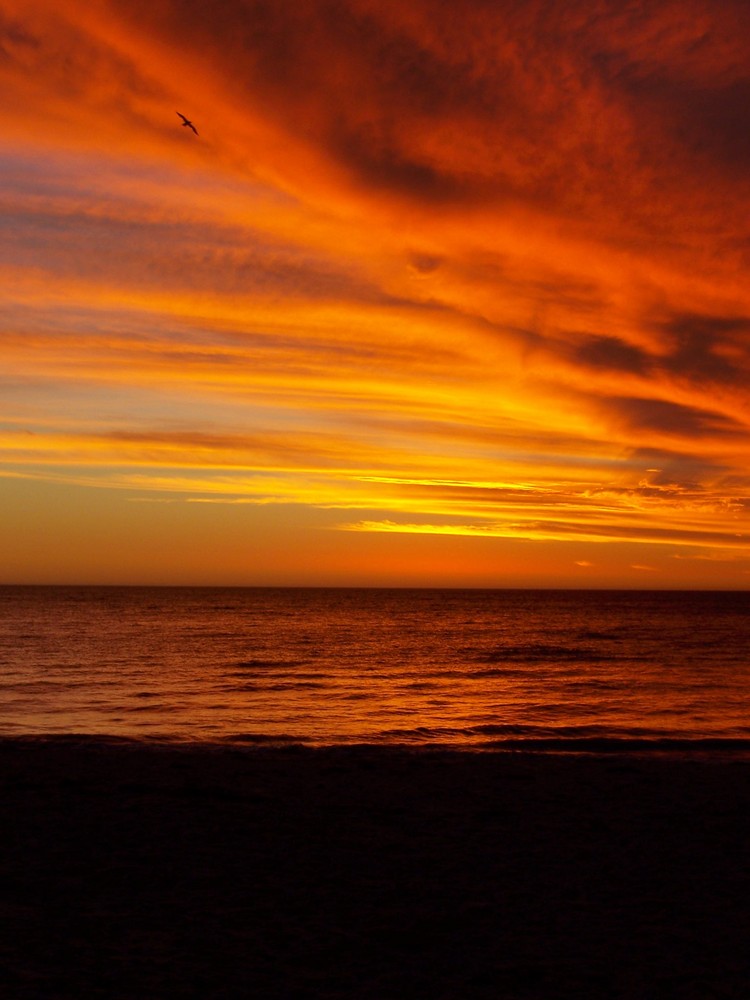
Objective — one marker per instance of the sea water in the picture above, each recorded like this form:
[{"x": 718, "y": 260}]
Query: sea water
[{"x": 465, "y": 668}]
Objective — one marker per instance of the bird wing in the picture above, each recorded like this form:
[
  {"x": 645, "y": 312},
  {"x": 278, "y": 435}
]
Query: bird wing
[{"x": 186, "y": 121}]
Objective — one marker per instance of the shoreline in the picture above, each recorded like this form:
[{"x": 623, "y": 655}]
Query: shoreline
[
  {"x": 678, "y": 746},
  {"x": 370, "y": 872}
]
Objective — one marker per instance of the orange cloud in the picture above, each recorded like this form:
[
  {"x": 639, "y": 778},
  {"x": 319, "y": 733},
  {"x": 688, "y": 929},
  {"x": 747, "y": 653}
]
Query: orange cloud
[{"x": 468, "y": 274}]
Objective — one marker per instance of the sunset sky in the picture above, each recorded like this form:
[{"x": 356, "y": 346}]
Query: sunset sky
[{"x": 441, "y": 294}]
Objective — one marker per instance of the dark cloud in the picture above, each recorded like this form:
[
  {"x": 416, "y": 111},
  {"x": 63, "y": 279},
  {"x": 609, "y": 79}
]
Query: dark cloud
[
  {"x": 709, "y": 119},
  {"x": 425, "y": 263},
  {"x": 665, "y": 417},
  {"x": 696, "y": 348},
  {"x": 563, "y": 107},
  {"x": 392, "y": 100},
  {"x": 697, "y": 342},
  {"x": 719, "y": 121},
  {"x": 611, "y": 354},
  {"x": 15, "y": 36},
  {"x": 382, "y": 166}
]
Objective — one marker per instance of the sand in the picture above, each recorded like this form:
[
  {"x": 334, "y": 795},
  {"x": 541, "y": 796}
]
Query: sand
[{"x": 136, "y": 872}]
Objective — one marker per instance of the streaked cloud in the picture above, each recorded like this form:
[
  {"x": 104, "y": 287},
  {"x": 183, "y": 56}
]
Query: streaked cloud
[{"x": 475, "y": 273}]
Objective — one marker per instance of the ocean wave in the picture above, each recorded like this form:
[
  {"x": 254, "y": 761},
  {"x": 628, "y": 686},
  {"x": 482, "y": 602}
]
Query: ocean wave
[
  {"x": 627, "y": 745},
  {"x": 505, "y": 672},
  {"x": 538, "y": 652},
  {"x": 424, "y": 739},
  {"x": 275, "y": 685},
  {"x": 260, "y": 663},
  {"x": 298, "y": 675},
  {"x": 267, "y": 738},
  {"x": 598, "y": 635},
  {"x": 568, "y": 739}
]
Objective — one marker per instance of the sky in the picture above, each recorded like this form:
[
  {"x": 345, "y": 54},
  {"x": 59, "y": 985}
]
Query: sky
[{"x": 440, "y": 294}]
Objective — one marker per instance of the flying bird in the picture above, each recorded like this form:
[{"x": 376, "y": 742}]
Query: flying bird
[{"x": 186, "y": 123}]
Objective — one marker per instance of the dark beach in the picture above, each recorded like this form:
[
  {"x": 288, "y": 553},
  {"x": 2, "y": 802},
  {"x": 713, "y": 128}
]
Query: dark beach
[{"x": 146, "y": 872}]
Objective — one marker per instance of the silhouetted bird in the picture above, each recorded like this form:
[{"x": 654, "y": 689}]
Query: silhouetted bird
[{"x": 186, "y": 123}]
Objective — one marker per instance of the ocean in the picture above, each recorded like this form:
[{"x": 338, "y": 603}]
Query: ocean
[{"x": 469, "y": 669}]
